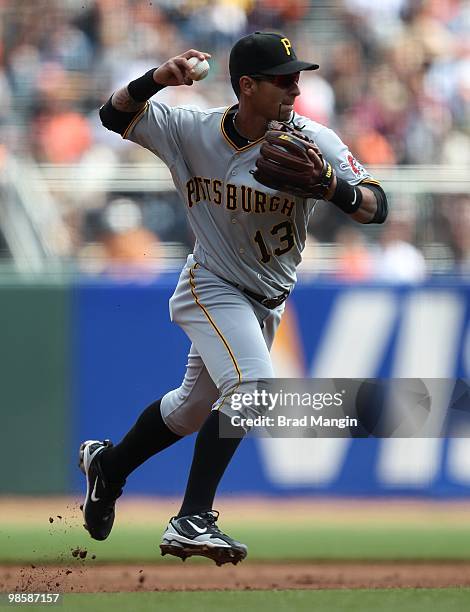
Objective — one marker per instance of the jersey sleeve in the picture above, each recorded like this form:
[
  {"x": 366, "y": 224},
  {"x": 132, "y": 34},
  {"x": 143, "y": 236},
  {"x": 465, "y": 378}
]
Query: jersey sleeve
[
  {"x": 157, "y": 128},
  {"x": 340, "y": 157}
]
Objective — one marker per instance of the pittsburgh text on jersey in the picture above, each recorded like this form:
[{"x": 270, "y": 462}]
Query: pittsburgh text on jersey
[{"x": 236, "y": 197}]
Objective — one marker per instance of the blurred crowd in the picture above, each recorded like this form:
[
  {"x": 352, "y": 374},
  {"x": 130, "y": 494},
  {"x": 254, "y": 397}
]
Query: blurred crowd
[{"x": 394, "y": 82}]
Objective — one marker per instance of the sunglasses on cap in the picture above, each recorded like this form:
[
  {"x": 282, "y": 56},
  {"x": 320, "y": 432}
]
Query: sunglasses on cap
[{"x": 284, "y": 81}]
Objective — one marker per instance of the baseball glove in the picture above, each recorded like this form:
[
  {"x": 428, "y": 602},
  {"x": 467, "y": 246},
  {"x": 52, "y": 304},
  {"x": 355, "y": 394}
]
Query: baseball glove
[{"x": 285, "y": 165}]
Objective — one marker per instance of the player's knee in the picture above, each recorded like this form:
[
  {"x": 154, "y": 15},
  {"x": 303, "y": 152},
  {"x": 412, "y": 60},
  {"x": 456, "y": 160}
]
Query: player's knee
[
  {"x": 185, "y": 418},
  {"x": 251, "y": 398},
  {"x": 183, "y": 425}
]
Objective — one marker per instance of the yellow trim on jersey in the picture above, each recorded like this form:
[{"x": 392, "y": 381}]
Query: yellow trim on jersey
[
  {"x": 371, "y": 181},
  {"x": 227, "y": 137},
  {"x": 135, "y": 120},
  {"x": 209, "y": 318}
]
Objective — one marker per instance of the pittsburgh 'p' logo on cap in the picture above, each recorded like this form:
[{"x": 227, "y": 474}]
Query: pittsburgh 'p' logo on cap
[{"x": 287, "y": 45}]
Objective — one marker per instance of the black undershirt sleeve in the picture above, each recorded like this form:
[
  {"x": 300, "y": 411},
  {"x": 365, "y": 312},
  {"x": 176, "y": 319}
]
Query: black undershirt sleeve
[
  {"x": 115, "y": 120},
  {"x": 382, "y": 205}
]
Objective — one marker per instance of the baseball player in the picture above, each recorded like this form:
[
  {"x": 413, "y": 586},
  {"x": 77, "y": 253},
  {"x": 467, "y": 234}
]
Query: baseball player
[{"x": 248, "y": 202}]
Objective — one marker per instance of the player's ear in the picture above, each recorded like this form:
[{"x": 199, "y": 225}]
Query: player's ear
[{"x": 247, "y": 85}]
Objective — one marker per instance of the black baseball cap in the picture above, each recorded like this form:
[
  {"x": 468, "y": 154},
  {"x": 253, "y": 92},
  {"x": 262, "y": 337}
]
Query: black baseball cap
[{"x": 265, "y": 53}]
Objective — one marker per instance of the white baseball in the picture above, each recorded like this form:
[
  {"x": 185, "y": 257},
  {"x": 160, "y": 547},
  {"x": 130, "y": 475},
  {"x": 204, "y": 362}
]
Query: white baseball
[{"x": 200, "y": 69}]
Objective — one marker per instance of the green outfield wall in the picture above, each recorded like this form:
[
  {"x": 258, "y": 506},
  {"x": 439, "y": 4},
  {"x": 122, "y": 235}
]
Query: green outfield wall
[{"x": 34, "y": 387}]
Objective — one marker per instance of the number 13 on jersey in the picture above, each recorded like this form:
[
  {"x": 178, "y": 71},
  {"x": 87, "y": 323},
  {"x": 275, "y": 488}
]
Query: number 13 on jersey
[{"x": 285, "y": 235}]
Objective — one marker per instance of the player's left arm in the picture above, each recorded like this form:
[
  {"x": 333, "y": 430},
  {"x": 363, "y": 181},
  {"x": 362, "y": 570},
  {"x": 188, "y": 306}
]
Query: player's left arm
[
  {"x": 373, "y": 205},
  {"x": 353, "y": 189}
]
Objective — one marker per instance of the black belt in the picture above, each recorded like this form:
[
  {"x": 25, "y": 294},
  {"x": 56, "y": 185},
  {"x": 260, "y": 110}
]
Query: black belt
[{"x": 270, "y": 303}]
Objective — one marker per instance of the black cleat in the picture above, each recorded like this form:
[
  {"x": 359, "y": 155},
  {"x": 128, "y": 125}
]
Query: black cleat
[
  {"x": 199, "y": 535},
  {"x": 101, "y": 494}
]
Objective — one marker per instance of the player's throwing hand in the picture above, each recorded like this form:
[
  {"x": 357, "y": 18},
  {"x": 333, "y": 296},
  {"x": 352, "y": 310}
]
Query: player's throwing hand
[{"x": 177, "y": 70}]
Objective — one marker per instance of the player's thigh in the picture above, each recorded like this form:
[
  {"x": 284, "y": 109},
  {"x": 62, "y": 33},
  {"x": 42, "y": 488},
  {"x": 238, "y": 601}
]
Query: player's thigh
[
  {"x": 223, "y": 326},
  {"x": 186, "y": 408}
]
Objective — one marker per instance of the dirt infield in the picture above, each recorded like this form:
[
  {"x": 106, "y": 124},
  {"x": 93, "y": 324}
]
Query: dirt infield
[
  {"x": 202, "y": 576},
  {"x": 87, "y": 575}
]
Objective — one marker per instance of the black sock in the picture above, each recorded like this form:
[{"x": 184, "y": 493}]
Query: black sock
[
  {"x": 149, "y": 436},
  {"x": 211, "y": 458}
]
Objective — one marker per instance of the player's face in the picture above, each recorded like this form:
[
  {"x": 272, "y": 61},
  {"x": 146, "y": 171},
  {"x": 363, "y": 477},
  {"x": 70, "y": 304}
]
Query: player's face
[{"x": 276, "y": 95}]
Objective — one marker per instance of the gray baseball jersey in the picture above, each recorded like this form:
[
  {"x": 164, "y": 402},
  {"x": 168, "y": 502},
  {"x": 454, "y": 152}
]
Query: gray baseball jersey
[
  {"x": 246, "y": 235},
  {"x": 245, "y": 232}
]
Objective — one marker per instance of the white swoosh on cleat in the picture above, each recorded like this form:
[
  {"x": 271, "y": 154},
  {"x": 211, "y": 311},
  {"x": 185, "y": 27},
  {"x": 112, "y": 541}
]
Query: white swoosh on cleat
[
  {"x": 196, "y": 528},
  {"x": 93, "y": 493}
]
